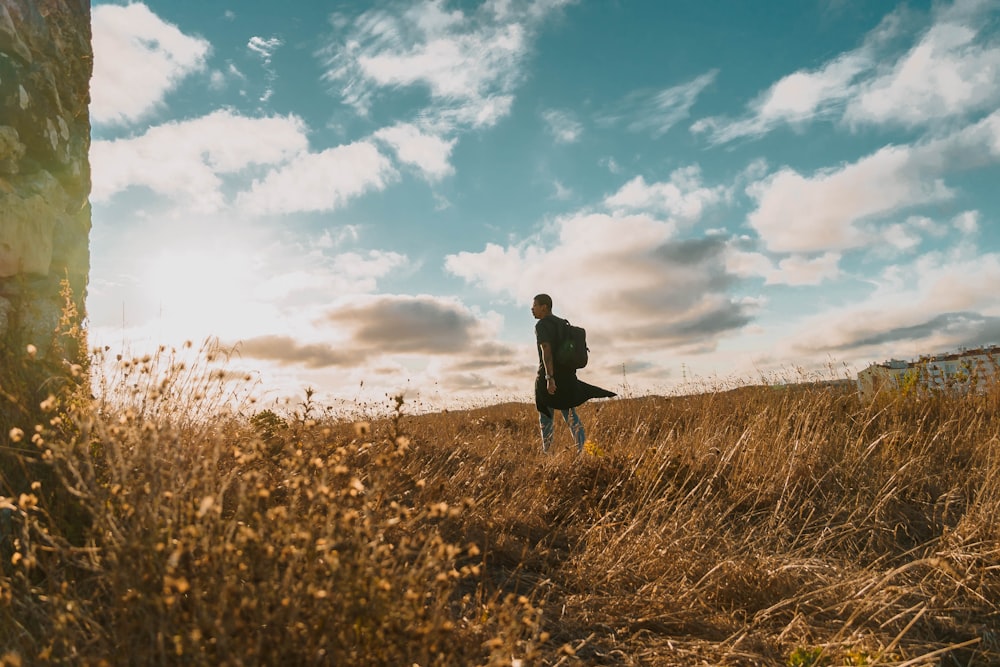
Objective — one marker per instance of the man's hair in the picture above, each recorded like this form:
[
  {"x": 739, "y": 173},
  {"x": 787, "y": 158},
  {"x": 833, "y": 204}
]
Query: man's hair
[{"x": 544, "y": 300}]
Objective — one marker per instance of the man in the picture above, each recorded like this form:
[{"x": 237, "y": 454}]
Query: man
[{"x": 557, "y": 387}]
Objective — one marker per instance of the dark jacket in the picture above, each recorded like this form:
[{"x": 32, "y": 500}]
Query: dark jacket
[{"x": 570, "y": 390}]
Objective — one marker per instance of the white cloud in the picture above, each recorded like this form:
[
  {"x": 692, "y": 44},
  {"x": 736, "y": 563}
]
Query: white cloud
[
  {"x": 535, "y": 10},
  {"x": 799, "y": 270},
  {"x": 138, "y": 59},
  {"x": 460, "y": 67},
  {"x": 264, "y": 48},
  {"x": 430, "y": 153},
  {"x": 221, "y": 79},
  {"x": 658, "y": 111},
  {"x": 562, "y": 125},
  {"x": 683, "y": 197},
  {"x": 795, "y": 270},
  {"x": 332, "y": 238},
  {"x": 804, "y": 94},
  {"x": 811, "y": 214},
  {"x": 749, "y": 264},
  {"x": 308, "y": 277},
  {"x": 906, "y": 236},
  {"x": 946, "y": 74},
  {"x": 562, "y": 193},
  {"x": 951, "y": 70},
  {"x": 827, "y": 211},
  {"x": 966, "y": 222},
  {"x": 469, "y": 64},
  {"x": 319, "y": 181},
  {"x": 924, "y": 225},
  {"x": 610, "y": 164},
  {"x": 184, "y": 160},
  {"x": 800, "y": 94},
  {"x": 475, "y": 114},
  {"x": 900, "y": 237},
  {"x": 982, "y": 140},
  {"x": 374, "y": 264},
  {"x": 441, "y": 202},
  {"x": 217, "y": 80},
  {"x": 793, "y": 99}
]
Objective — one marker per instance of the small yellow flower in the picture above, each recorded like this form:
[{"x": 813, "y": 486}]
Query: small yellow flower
[
  {"x": 16, "y": 434},
  {"x": 206, "y": 504},
  {"x": 11, "y": 658}
]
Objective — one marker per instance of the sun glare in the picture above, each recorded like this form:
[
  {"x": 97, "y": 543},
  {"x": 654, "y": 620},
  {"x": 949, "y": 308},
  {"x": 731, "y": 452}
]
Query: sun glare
[{"x": 201, "y": 292}]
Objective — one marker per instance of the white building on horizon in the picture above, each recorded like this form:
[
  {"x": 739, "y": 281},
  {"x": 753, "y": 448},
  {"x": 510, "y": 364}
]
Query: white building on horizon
[{"x": 961, "y": 371}]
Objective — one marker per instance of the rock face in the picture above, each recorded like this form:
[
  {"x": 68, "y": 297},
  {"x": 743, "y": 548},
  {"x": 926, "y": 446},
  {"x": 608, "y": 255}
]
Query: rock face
[{"x": 46, "y": 60}]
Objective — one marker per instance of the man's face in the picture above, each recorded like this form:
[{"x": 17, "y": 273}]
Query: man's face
[{"x": 538, "y": 310}]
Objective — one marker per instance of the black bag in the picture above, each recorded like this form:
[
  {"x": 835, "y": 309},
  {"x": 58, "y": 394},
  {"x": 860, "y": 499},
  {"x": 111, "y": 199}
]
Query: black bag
[{"x": 571, "y": 351}]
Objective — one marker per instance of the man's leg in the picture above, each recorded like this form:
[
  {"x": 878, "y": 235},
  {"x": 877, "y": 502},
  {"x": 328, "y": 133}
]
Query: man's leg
[
  {"x": 547, "y": 427},
  {"x": 576, "y": 426}
]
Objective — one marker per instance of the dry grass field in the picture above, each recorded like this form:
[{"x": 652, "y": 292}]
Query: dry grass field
[{"x": 748, "y": 526}]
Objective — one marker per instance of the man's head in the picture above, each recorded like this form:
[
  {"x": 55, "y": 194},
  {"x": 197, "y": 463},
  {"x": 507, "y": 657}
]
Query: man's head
[{"x": 541, "y": 306}]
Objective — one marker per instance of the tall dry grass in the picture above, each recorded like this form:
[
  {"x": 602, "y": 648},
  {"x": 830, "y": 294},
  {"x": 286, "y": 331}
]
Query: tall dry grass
[{"x": 752, "y": 526}]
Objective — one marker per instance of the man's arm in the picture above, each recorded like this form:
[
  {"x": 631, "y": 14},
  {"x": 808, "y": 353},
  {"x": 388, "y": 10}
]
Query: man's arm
[{"x": 550, "y": 367}]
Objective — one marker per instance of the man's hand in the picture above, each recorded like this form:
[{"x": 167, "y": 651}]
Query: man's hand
[{"x": 547, "y": 363}]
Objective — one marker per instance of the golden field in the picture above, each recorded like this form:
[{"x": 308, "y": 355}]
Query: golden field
[{"x": 754, "y": 525}]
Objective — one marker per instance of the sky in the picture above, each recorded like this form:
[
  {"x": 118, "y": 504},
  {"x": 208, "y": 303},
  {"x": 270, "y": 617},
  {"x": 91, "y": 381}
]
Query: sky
[{"x": 363, "y": 197}]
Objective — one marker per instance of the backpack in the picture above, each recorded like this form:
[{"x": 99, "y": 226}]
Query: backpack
[{"x": 571, "y": 350}]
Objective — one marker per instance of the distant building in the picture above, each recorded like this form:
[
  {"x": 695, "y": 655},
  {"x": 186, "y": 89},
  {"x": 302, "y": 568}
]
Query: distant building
[{"x": 960, "y": 372}]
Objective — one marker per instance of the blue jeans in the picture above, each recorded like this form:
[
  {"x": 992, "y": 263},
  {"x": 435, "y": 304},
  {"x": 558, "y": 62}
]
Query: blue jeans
[{"x": 575, "y": 425}]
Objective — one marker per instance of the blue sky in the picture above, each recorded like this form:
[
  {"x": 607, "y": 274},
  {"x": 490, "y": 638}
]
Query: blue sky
[{"x": 364, "y": 197}]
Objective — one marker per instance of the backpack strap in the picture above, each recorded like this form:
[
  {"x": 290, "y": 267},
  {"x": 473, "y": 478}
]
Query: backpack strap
[
  {"x": 561, "y": 336},
  {"x": 562, "y": 330}
]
